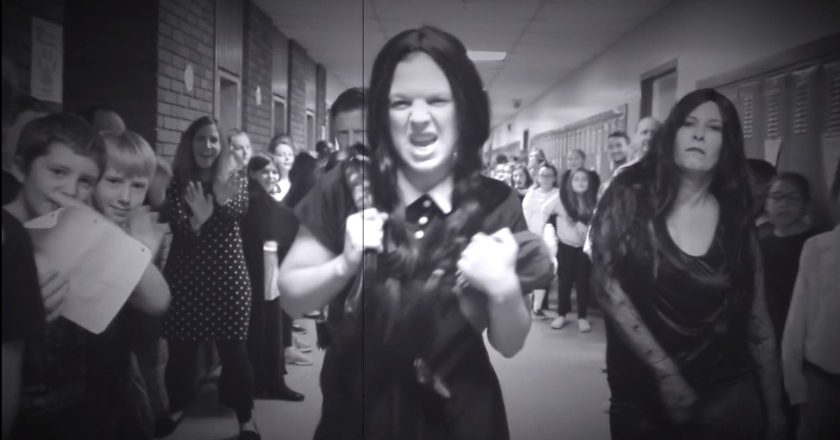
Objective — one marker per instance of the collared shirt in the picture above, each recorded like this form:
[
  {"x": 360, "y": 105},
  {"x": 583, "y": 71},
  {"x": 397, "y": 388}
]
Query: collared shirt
[
  {"x": 812, "y": 323},
  {"x": 441, "y": 193}
]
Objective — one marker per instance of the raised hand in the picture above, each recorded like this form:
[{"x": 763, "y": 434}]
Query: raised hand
[{"x": 199, "y": 202}]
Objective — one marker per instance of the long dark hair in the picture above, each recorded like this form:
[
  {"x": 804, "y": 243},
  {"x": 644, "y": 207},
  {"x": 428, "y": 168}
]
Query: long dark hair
[
  {"x": 420, "y": 274},
  {"x": 184, "y": 168},
  {"x": 645, "y": 192},
  {"x": 579, "y": 207},
  {"x": 302, "y": 177},
  {"x": 471, "y": 106}
]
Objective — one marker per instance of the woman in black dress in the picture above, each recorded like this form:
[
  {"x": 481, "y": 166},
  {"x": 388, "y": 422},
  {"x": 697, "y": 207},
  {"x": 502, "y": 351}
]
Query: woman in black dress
[
  {"x": 267, "y": 221},
  {"x": 205, "y": 269},
  {"x": 413, "y": 364},
  {"x": 690, "y": 346}
]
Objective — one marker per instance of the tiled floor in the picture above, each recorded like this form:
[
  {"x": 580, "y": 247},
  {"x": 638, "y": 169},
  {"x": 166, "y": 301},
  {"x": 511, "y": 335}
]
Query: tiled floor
[{"x": 553, "y": 389}]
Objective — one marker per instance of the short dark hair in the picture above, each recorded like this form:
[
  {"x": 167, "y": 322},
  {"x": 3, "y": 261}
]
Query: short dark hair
[
  {"x": 761, "y": 170},
  {"x": 69, "y": 129},
  {"x": 619, "y": 134},
  {"x": 798, "y": 180},
  {"x": 349, "y": 100}
]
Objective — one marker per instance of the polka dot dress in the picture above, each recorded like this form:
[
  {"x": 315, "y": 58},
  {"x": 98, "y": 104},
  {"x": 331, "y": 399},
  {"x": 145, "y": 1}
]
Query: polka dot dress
[{"x": 206, "y": 272}]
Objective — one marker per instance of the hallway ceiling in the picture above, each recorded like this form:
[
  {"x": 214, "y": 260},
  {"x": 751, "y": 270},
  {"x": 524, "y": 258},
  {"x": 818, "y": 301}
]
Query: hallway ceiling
[{"x": 545, "y": 40}]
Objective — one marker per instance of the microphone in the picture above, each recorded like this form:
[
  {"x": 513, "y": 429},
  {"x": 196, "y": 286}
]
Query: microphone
[{"x": 358, "y": 172}]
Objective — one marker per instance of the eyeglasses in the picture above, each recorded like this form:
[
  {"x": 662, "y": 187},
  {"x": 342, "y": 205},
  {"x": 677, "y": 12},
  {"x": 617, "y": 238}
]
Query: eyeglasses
[{"x": 782, "y": 197}]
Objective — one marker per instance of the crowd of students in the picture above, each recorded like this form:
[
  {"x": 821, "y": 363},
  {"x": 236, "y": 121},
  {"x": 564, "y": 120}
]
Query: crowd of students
[{"x": 698, "y": 293}]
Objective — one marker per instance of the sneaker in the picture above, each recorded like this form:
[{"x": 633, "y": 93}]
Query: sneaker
[
  {"x": 300, "y": 345},
  {"x": 558, "y": 323},
  {"x": 295, "y": 357},
  {"x": 316, "y": 315},
  {"x": 538, "y": 315},
  {"x": 584, "y": 326}
]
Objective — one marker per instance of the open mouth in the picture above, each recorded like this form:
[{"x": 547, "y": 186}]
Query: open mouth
[{"x": 422, "y": 139}]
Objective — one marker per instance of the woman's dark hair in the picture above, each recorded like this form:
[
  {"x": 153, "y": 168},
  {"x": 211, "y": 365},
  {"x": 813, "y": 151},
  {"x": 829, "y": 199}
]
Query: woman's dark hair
[
  {"x": 302, "y": 177},
  {"x": 257, "y": 163},
  {"x": 580, "y": 207},
  {"x": 797, "y": 180},
  {"x": 471, "y": 104},
  {"x": 184, "y": 167},
  {"x": 644, "y": 194},
  {"x": 522, "y": 168}
]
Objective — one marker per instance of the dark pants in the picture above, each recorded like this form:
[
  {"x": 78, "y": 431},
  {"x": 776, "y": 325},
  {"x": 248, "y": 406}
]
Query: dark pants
[
  {"x": 820, "y": 417},
  {"x": 726, "y": 411},
  {"x": 236, "y": 385},
  {"x": 573, "y": 269},
  {"x": 287, "y": 330},
  {"x": 265, "y": 344}
]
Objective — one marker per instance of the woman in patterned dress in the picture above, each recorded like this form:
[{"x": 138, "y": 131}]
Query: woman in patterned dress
[{"x": 211, "y": 292}]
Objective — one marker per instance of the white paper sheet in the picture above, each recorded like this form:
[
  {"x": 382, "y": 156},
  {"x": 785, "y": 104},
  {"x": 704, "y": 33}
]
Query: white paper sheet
[{"x": 102, "y": 263}]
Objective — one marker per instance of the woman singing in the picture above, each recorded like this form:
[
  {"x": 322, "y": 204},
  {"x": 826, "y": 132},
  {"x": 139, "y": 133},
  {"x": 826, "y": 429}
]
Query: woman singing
[{"x": 415, "y": 364}]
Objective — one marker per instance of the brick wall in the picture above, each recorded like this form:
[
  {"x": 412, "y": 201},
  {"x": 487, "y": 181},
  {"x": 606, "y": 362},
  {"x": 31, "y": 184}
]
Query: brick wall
[
  {"x": 256, "y": 119},
  {"x": 17, "y": 31},
  {"x": 185, "y": 36},
  {"x": 296, "y": 101}
]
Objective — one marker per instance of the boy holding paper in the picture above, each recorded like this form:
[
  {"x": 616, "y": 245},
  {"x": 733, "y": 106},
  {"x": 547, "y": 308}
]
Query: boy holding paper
[
  {"x": 129, "y": 168},
  {"x": 62, "y": 159}
]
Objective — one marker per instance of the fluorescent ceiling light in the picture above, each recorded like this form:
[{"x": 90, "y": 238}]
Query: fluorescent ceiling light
[{"x": 486, "y": 55}]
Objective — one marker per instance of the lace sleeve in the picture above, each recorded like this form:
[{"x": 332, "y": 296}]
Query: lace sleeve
[{"x": 611, "y": 228}]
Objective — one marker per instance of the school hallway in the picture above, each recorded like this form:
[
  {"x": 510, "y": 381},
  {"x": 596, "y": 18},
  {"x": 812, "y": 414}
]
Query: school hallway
[{"x": 553, "y": 389}]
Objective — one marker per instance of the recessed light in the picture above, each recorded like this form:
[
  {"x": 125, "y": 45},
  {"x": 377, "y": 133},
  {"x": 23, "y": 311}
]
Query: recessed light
[{"x": 486, "y": 55}]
